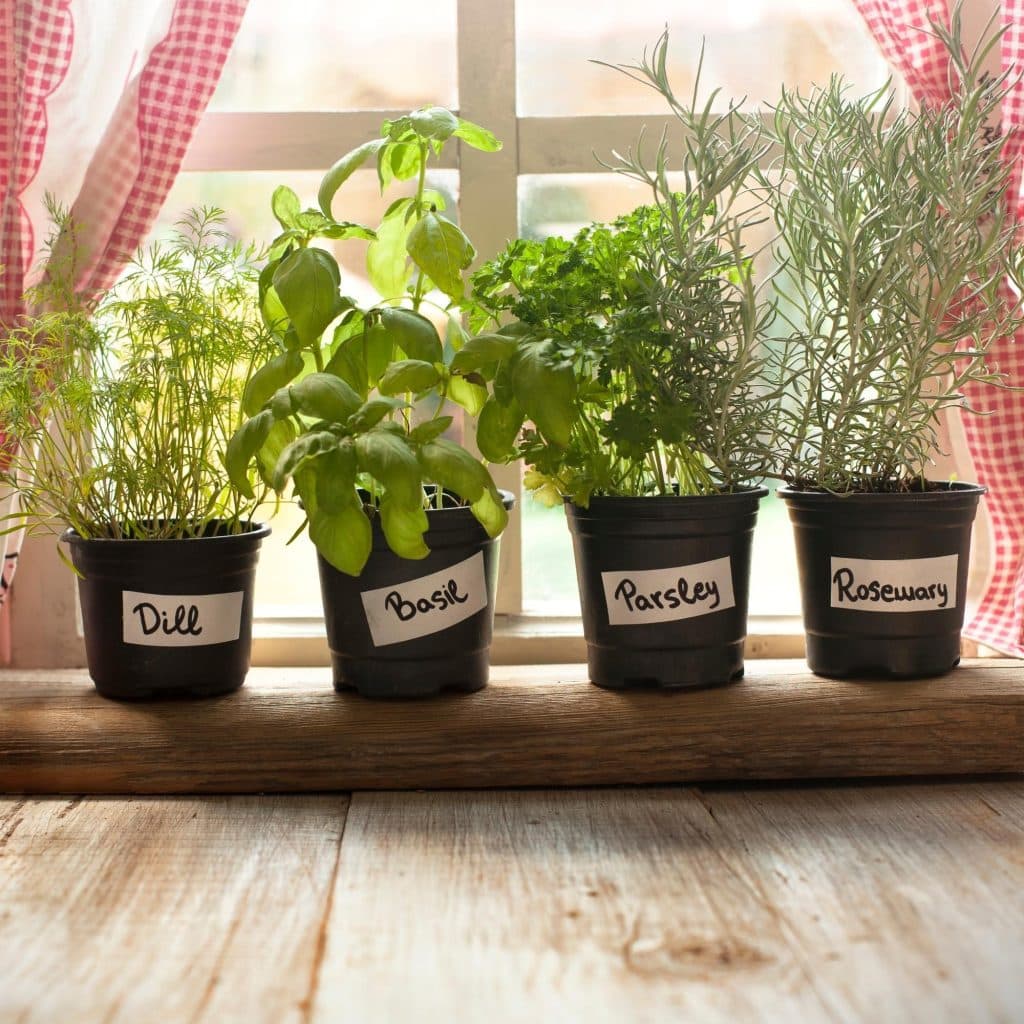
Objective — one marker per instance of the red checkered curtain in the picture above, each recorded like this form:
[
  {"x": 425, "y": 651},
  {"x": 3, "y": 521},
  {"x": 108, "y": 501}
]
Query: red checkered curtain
[
  {"x": 995, "y": 441},
  {"x": 98, "y": 103}
]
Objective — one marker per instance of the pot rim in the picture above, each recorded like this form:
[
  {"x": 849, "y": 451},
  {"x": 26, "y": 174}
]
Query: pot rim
[
  {"x": 256, "y": 531},
  {"x": 948, "y": 489},
  {"x": 625, "y": 503}
]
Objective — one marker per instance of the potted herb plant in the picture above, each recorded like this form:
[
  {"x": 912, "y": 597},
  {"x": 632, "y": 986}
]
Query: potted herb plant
[
  {"x": 895, "y": 247},
  {"x": 121, "y": 417},
  {"x": 351, "y": 412},
  {"x": 634, "y": 356}
]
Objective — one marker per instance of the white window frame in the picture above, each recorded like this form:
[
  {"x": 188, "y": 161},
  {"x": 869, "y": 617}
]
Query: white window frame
[{"x": 303, "y": 141}]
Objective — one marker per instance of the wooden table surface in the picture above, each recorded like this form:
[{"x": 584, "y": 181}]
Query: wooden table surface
[{"x": 860, "y": 902}]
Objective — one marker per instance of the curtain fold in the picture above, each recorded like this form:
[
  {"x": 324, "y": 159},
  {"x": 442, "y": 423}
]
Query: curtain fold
[
  {"x": 98, "y": 104},
  {"x": 995, "y": 440}
]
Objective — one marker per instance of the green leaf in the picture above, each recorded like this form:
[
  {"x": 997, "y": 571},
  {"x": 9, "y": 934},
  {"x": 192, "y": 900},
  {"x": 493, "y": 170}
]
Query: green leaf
[
  {"x": 440, "y": 249},
  {"x": 342, "y": 170},
  {"x": 404, "y": 527},
  {"x": 408, "y": 375},
  {"x": 243, "y": 445},
  {"x": 545, "y": 387},
  {"x": 282, "y": 433},
  {"x": 413, "y": 333},
  {"x": 336, "y": 478},
  {"x": 298, "y": 453},
  {"x": 450, "y": 465},
  {"x": 307, "y": 283},
  {"x": 349, "y": 363},
  {"x": 481, "y": 351},
  {"x": 467, "y": 393},
  {"x": 378, "y": 351},
  {"x": 324, "y": 397},
  {"x": 490, "y": 511},
  {"x": 370, "y": 413},
  {"x": 260, "y": 387},
  {"x": 497, "y": 428},
  {"x": 434, "y": 123},
  {"x": 284, "y": 243},
  {"x": 401, "y": 160},
  {"x": 285, "y": 205},
  {"x": 477, "y": 137},
  {"x": 430, "y": 429},
  {"x": 388, "y": 458},
  {"x": 273, "y": 313},
  {"x": 346, "y": 229},
  {"x": 455, "y": 336},
  {"x": 387, "y": 261},
  {"x": 343, "y": 537}
]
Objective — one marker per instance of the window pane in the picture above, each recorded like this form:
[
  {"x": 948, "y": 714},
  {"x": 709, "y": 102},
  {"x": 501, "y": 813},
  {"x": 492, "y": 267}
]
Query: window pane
[
  {"x": 751, "y": 46},
  {"x": 325, "y": 55},
  {"x": 287, "y": 582},
  {"x": 560, "y": 205}
]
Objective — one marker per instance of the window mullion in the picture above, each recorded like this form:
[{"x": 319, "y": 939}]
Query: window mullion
[{"x": 489, "y": 195}]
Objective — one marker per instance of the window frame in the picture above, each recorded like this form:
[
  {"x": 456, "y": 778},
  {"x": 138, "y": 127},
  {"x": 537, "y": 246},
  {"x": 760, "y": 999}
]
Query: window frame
[{"x": 488, "y": 209}]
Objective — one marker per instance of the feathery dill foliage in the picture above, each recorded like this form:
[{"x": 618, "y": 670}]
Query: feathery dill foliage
[
  {"x": 122, "y": 416},
  {"x": 894, "y": 243}
]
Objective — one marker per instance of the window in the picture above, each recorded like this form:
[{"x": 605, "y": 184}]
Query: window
[{"x": 298, "y": 92}]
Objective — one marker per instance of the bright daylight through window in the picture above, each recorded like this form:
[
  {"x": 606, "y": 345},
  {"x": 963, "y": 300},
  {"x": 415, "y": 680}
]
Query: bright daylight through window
[{"x": 268, "y": 125}]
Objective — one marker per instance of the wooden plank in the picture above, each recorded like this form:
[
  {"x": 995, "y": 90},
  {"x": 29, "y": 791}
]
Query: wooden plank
[
  {"x": 164, "y": 910},
  {"x": 882, "y": 904},
  {"x": 539, "y": 726}
]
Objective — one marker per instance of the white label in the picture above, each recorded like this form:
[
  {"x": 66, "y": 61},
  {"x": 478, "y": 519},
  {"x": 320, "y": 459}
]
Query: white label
[
  {"x": 180, "y": 620},
  {"x": 662, "y": 595},
  {"x": 894, "y": 584},
  {"x": 430, "y": 604}
]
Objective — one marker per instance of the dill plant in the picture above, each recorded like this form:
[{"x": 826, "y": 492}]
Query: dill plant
[{"x": 118, "y": 418}]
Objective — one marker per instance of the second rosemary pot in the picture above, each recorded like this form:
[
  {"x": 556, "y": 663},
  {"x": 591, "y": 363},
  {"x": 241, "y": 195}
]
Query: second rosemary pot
[
  {"x": 414, "y": 628},
  {"x": 883, "y": 578},
  {"x": 663, "y": 586}
]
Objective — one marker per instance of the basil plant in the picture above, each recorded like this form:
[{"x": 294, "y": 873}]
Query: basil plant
[{"x": 333, "y": 411}]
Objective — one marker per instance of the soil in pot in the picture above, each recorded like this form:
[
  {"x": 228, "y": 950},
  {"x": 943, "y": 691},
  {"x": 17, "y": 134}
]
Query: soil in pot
[
  {"x": 664, "y": 583},
  {"x": 415, "y": 628},
  {"x": 883, "y": 578},
  {"x": 167, "y": 619}
]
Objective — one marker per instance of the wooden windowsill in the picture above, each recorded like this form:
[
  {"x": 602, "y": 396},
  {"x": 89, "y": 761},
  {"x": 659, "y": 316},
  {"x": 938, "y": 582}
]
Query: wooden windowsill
[{"x": 287, "y": 730}]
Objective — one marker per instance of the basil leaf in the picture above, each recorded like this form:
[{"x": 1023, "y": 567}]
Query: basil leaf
[
  {"x": 387, "y": 261},
  {"x": 343, "y": 537},
  {"x": 307, "y": 283},
  {"x": 324, "y": 397},
  {"x": 440, "y": 249},
  {"x": 404, "y": 527},
  {"x": 545, "y": 387},
  {"x": 469, "y": 394},
  {"x": 388, "y": 458},
  {"x": 370, "y": 413},
  {"x": 482, "y": 350},
  {"x": 260, "y": 387},
  {"x": 342, "y": 170},
  {"x": 413, "y": 333},
  {"x": 430, "y": 429},
  {"x": 300, "y": 451},
  {"x": 450, "y": 465},
  {"x": 408, "y": 375},
  {"x": 243, "y": 445},
  {"x": 490, "y": 511},
  {"x": 434, "y": 123},
  {"x": 477, "y": 137},
  {"x": 497, "y": 428}
]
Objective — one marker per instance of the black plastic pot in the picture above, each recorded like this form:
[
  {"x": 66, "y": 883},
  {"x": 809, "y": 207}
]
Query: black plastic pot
[
  {"x": 167, "y": 618},
  {"x": 663, "y": 587},
  {"x": 414, "y": 628},
  {"x": 883, "y": 578}
]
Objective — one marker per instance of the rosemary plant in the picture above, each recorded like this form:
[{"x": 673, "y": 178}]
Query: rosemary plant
[
  {"x": 638, "y": 349},
  {"x": 895, "y": 246},
  {"x": 118, "y": 419}
]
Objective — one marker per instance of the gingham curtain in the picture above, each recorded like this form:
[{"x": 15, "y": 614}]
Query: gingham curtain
[
  {"x": 98, "y": 103},
  {"x": 995, "y": 441}
]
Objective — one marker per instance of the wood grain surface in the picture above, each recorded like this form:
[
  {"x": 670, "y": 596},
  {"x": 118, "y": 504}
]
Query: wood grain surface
[
  {"x": 533, "y": 726},
  {"x": 164, "y": 910},
  {"x": 879, "y": 903},
  {"x": 869, "y": 904}
]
